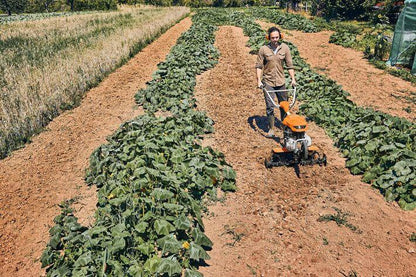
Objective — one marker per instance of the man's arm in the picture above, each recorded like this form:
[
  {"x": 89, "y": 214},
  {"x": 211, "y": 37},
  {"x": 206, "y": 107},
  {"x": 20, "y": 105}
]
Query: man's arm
[
  {"x": 259, "y": 67},
  {"x": 259, "y": 73},
  {"x": 292, "y": 76},
  {"x": 289, "y": 65}
]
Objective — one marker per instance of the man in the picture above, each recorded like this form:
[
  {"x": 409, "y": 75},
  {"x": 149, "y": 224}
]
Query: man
[{"x": 270, "y": 73}]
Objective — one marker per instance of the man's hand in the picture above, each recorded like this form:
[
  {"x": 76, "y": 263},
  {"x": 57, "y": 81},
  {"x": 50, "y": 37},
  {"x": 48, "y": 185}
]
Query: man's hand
[
  {"x": 293, "y": 83},
  {"x": 260, "y": 84}
]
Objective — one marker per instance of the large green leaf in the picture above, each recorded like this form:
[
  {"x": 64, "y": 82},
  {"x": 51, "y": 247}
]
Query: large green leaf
[
  {"x": 169, "y": 244},
  {"x": 161, "y": 194},
  {"x": 182, "y": 223},
  {"x": 118, "y": 244},
  {"x": 146, "y": 248},
  {"x": 141, "y": 227},
  {"x": 151, "y": 265},
  {"x": 200, "y": 238},
  {"x": 163, "y": 227},
  {"x": 228, "y": 173},
  {"x": 228, "y": 185},
  {"x": 198, "y": 253},
  {"x": 407, "y": 206},
  {"x": 83, "y": 260},
  {"x": 169, "y": 266}
]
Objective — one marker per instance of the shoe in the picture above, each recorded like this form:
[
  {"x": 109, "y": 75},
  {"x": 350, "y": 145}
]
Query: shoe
[
  {"x": 270, "y": 120},
  {"x": 270, "y": 134}
]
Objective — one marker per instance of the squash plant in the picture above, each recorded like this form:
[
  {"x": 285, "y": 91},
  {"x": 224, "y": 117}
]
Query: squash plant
[{"x": 286, "y": 20}]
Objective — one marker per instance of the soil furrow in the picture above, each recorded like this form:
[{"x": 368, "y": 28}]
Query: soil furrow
[
  {"x": 35, "y": 179},
  {"x": 270, "y": 226}
]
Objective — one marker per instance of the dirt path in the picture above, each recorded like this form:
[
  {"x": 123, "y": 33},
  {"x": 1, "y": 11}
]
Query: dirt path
[
  {"x": 368, "y": 86},
  {"x": 51, "y": 169},
  {"x": 269, "y": 227}
]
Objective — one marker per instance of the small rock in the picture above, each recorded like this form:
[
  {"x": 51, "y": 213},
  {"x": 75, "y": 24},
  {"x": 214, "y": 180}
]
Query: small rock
[{"x": 411, "y": 250}]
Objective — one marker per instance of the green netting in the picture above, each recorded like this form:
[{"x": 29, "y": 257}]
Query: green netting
[{"x": 404, "y": 38}]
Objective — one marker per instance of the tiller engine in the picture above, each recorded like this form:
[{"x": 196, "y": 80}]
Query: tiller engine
[{"x": 296, "y": 147}]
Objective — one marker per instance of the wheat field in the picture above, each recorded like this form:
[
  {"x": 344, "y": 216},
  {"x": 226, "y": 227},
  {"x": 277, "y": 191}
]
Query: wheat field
[{"x": 47, "y": 65}]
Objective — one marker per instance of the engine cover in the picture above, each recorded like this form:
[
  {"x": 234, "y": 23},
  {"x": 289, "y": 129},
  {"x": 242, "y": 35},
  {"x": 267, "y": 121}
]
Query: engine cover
[{"x": 296, "y": 123}]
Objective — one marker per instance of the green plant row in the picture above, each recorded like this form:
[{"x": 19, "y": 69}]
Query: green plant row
[
  {"x": 152, "y": 176},
  {"x": 346, "y": 35},
  {"x": 286, "y": 20},
  {"x": 172, "y": 85},
  {"x": 344, "y": 39},
  {"x": 379, "y": 146},
  {"x": 398, "y": 72}
]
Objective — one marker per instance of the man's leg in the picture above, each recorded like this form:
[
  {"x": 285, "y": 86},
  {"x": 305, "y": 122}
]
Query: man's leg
[
  {"x": 282, "y": 96},
  {"x": 270, "y": 110}
]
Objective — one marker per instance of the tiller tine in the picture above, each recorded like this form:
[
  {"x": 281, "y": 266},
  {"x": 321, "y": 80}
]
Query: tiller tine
[{"x": 280, "y": 157}]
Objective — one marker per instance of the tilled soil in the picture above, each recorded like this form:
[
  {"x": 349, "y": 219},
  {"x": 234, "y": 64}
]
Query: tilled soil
[
  {"x": 35, "y": 179},
  {"x": 368, "y": 86},
  {"x": 270, "y": 226}
]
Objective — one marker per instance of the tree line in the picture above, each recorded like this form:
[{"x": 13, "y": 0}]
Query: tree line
[
  {"x": 329, "y": 9},
  {"x": 39, "y": 6}
]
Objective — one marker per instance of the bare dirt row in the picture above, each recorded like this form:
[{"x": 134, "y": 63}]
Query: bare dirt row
[
  {"x": 35, "y": 179},
  {"x": 270, "y": 226}
]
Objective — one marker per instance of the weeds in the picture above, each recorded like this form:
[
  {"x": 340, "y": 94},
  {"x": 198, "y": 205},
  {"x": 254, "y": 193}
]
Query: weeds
[
  {"x": 352, "y": 273},
  {"x": 412, "y": 237},
  {"x": 235, "y": 235},
  {"x": 340, "y": 218},
  {"x": 252, "y": 270}
]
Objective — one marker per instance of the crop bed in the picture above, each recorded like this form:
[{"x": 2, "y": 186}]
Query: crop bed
[{"x": 286, "y": 20}]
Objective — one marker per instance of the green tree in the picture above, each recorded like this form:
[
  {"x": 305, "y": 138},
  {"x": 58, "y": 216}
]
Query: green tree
[
  {"x": 82, "y": 5},
  {"x": 71, "y": 3},
  {"x": 13, "y": 6},
  {"x": 47, "y": 4},
  {"x": 341, "y": 9}
]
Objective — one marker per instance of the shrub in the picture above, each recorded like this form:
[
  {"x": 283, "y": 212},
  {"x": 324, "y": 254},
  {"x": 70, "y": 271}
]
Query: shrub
[
  {"x": 337, "y": 9},
  {"x": 13, "y": 6}
]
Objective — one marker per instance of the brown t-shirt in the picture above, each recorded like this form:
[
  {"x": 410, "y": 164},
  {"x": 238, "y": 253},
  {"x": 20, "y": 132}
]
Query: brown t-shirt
[{"x": 272, "y": 64}]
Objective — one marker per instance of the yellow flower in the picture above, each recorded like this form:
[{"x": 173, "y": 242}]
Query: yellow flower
[
  {"x": 186, "y": 245},
  {"x": 110, "y": 196}
]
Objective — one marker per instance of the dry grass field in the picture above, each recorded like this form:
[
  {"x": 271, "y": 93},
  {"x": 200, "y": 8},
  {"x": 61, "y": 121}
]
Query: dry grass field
[{"x": 47, "y": 65}]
